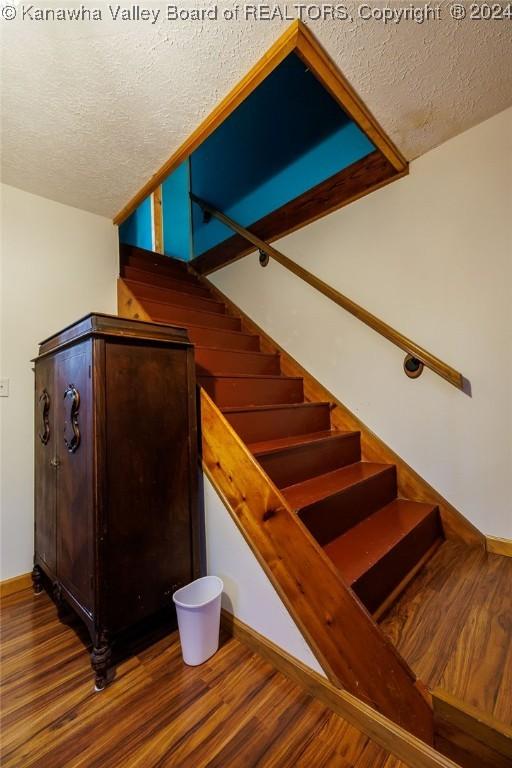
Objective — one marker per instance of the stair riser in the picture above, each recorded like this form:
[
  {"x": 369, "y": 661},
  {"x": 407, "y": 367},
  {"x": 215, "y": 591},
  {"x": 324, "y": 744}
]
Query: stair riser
[
  {"x": 374, "y": 586},
  {"x": 196, "y": 303},
  {"x": 294, "y": 465},
  {"x": 270, "y": 425},
  {"x": 159, "y": 291},
  {"x": 226, "y": 392},
  {"x": 159, "y": 265},
  {"x": 330, "y": 517},
  {"x": 212, "y": 337},
  {"x": 224, "y": 361},
  {"x": 183, "y": 315}
]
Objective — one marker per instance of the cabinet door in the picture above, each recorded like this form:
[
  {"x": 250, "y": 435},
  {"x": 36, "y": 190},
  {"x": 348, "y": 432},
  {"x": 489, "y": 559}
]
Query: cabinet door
[
  {"x": 75, "y": 497},
  {"x": 148, "y": 470},
  {"x": 45, "y": 470}
]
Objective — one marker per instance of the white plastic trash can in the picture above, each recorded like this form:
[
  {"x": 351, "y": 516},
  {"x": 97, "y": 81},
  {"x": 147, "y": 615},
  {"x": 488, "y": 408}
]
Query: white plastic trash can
[{"x": 198, "y": 610}]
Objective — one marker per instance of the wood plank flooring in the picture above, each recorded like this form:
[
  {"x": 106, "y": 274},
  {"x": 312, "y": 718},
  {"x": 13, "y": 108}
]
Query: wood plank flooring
[
  {"x": 454, "y": 627},
  {"x": 235, "y": 710}
]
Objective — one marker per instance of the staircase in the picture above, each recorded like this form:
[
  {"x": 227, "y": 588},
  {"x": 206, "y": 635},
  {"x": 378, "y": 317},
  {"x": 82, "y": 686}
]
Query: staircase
[
  {"x": 376, "y": 540},
  {"x": 351, "y": 507}
]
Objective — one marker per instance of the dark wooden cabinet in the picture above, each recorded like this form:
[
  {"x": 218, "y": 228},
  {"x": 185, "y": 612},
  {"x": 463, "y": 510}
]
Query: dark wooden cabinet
[{"x": 116, "y": 521}]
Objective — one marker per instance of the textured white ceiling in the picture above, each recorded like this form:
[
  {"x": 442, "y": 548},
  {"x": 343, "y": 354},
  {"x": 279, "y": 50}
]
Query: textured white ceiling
[{"x": 91, "y": 109}]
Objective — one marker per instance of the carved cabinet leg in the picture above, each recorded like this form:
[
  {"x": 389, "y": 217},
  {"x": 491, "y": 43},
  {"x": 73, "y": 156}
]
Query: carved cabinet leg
[
  {"x": 100, "y": 660},
  {"x": 59, "y": 601},
  {"x": 37, "y": 579}
]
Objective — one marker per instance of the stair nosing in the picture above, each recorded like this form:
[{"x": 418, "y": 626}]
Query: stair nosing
[
  {"x": 238, "y": 351},
  {"x": 264, "y": 376},
  {"x": 326, "y": 438},
  {"x": 269, "y": 407}
]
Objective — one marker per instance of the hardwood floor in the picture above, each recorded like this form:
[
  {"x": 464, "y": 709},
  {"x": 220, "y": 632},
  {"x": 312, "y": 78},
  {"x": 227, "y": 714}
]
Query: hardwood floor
[
  {"x": 454, "y": 627},
  {"x": 235, "y": 710}
]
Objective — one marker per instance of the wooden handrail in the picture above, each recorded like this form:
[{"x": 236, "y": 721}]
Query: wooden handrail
[{"x": 407, "y": 345}]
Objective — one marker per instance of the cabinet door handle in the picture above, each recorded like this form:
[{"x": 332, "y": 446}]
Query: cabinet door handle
[
  {"x": 55, "y": 463},
  {"x": 44, "y": 408},
  {"x": 72, "y": 439}
]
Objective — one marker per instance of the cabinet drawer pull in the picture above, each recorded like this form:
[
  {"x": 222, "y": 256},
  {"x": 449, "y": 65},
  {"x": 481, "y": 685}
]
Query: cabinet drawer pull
[
  {"x": 72, "y": 440},
  {"x": 44, "y": 407}
]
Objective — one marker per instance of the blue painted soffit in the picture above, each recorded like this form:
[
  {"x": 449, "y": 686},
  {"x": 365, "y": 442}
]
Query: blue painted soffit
[
  {"x": 137, "y": 229},
  {"x": 286, "y": 137}
]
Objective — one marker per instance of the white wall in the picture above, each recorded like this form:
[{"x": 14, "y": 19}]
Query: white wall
[
  {"x": 248, "y": 593},
  {"x": 431, "y": 254},
  {"x": 58, "y": 263}
]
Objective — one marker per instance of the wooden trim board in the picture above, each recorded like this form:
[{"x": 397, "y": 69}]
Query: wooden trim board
[
  {"x": 410, "y": 484},
  {"x": 158, "y": 231},
  {"x": 380, "y": 729},
  {"x": 499, "y": 546},
  {"x": 469, "y": 735},
  {"x": 16, "y": 584},
  {"x": 323, "y": 67},
  {"x": 299, "y": 39},
  {"x": 127, "y": 304}
]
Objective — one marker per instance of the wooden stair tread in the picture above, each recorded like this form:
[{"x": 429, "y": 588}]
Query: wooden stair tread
[
  {"x": 150, "y": 260},
  {"x": 320, "y": 487},
  {"x": 214, "y": 360},
  {"x": 170, "y": 306},
  {"x": 244, "y": 387},
  {"x": 199, "y": 303},
  {"x": 149, "y": 279},
  {"x": 269, "y": 446},
  {"x": 257, "y": 376},
  {"x": 251, "y": 352},
  {"x": 218, "y": 320},
  {"x": 269, "y": 421},
  {"x": 296, "y": 463},
  {"x": 275, "y": 446},
  {"x": 362, "y": 546},
  {"x": 190, "y": 287},
  {"x": 154, "y": 274},
  {"x": 222, "y": 338},
  {"x": 282, "y": 406},
  {"x": 226, "y": 330}
]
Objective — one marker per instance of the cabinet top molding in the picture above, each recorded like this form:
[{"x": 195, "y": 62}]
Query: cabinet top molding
[{"x": 98, "y": 324}]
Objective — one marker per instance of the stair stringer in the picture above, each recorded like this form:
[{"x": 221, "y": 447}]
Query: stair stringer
[
  {"x": 127, "y": 304},
  {"x": 347, "y": 643},
  {"x": 410, "y": 484},
  {"x": 248, "y": 593}
]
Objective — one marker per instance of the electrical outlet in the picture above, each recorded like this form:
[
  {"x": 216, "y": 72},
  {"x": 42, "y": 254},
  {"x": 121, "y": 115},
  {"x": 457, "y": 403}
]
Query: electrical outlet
[{"x": 4, "y": 387}]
